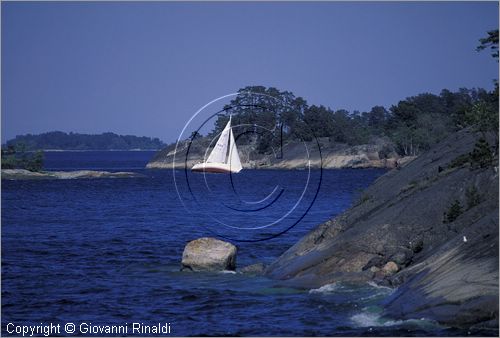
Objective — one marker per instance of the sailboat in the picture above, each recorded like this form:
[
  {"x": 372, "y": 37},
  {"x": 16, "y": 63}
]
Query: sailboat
[{"x": 224, "y": 158}]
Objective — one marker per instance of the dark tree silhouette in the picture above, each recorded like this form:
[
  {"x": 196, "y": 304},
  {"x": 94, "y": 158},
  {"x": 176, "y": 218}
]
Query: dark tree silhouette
[{"x": 491, "y": 41}]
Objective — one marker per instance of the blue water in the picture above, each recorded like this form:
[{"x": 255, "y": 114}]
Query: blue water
[{"x": 108, "y": 251}]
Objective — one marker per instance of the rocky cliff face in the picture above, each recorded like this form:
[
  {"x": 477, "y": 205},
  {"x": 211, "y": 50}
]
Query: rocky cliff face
[
  {"x": 429, "y": 228},
  {"x": 294, "y": 155}
]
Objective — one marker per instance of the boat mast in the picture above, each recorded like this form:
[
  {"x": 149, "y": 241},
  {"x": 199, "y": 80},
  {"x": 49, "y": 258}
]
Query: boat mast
[{"x": 228, "y": 152}]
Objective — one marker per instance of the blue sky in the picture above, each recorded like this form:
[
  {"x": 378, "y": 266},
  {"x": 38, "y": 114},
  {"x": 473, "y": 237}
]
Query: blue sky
[{"x": 145, "y": 68}]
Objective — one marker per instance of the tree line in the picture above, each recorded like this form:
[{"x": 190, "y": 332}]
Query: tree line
[
  {"x": 74, "y": 141},
  {"x": 413, "y": 124}
]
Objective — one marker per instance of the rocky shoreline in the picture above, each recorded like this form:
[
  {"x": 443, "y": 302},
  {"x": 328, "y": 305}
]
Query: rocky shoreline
[
  {"x": 23, "y": 174},
  {"x": 320, "y": 153},
  {"x": 429, "y": 228}
]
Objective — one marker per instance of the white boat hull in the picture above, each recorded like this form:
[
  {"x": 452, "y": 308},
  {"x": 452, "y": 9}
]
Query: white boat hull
[{"x": 221, "y": 168}]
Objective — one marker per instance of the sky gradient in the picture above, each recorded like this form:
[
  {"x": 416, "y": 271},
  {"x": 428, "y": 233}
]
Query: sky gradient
[{"x": 145, "y": 68}]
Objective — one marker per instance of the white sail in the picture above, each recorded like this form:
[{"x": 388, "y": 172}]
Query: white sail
[
  {"x": 224, "y": 158},
  {"x": 219, "y": 153},
  {"x": 234, "y": 157}
]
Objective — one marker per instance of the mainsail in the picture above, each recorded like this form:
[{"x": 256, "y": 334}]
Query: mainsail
[
  {"x": 219, "y": 153},
  {"x": 224, "y": 158}
]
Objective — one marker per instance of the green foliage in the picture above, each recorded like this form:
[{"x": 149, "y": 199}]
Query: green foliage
[
  {"x": 271, "y": 107},
  {"x": 419, "y": 122},
  {"x": 17, "y": 158},
  {"x": 73, "y": 141},
  {"x": 35, "y": 162},
  {"x": 350, "y": 128},
  {"x": 9, "y": 162},
  {"x": 472, "y": 196},
  {"x": 321, "y": 121},
  {"x": 413, "y": 125},
  {"x": 457, "y": 103},
  {"x": 265, "y": 144},
  {"x": 483, "y": 116},
  {"x": 482, "y": 155},
  {"x": 459, "y": 161},
  {"x": 453, "y": 212}
]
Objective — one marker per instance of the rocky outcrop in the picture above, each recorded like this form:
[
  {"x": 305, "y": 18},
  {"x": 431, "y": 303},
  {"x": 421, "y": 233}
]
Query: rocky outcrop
[
  {"x": 390, "y": 268},
  {"x": 296, "y": 155},
  {"x": 209, "y": 254},
  {"x": 23, "y": 174},
  {"x": 429, "y": 227},
  {"x": 458, "y": 285}
]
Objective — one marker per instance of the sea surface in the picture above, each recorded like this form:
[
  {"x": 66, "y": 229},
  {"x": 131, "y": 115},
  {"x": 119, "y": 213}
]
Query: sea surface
[{"x": 108, "y": 251}]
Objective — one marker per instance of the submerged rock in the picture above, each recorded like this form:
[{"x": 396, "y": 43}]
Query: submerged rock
[
  {"x": 256, "y": 269},
  {"x": 209, "y": 254}
]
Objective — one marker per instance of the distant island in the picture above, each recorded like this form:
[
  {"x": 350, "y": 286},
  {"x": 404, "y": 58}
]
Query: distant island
[{"x": 58, "y": 140}]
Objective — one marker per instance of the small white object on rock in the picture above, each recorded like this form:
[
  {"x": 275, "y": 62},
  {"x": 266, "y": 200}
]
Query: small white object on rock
[
  {"x": 465, "y": 239},
  {"x": 209, "y": 254}
]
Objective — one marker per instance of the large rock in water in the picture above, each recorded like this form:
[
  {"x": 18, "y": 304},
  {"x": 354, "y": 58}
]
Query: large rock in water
[
  {"x": 448, "y": 266},
  {"x": 209, "y": 254}
]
